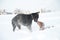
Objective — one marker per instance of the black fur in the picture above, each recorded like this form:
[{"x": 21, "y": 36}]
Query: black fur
[{"x": 24, "y": 19}]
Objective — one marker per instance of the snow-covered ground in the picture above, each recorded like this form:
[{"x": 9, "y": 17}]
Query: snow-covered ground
[{"x": 49, "y": 19}]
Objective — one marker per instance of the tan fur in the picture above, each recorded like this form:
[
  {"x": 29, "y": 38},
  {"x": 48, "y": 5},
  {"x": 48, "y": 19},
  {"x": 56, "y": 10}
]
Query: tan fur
[{"x": 41, "y": 25}]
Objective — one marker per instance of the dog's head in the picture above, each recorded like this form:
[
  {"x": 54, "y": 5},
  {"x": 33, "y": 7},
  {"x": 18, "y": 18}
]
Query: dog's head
[{"x": 35, "y": 16}]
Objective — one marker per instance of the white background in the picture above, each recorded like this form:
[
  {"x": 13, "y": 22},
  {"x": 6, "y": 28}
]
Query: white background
[{"x": 49, "y": 19}]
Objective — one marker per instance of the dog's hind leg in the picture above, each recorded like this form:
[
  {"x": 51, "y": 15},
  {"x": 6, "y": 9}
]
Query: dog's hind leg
[
  {"x": 18, "y": 25},
  {"x": 14, "y": 26}
]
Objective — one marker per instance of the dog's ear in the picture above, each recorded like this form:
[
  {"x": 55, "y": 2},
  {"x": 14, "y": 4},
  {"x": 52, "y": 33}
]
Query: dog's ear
[{"x": 38, "y": 12}]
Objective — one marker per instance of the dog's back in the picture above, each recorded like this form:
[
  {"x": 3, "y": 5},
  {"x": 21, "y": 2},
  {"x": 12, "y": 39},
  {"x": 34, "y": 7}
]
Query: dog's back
[{"x": 23, "y": 19}]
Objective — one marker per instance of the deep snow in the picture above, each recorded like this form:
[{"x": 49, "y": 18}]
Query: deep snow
[{"x": 49, "y": 19}]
